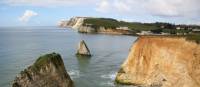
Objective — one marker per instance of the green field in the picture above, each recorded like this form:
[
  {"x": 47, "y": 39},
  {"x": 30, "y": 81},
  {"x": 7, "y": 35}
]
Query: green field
[
  {"x": 195, "y": 38},
  {"x": 134, "y": 26},
  {"x": 137, "y": 27},
  {"x": 112, "y": 23}
]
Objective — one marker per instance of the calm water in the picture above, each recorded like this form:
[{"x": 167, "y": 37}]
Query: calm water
[{"x": 20, "y": 47}]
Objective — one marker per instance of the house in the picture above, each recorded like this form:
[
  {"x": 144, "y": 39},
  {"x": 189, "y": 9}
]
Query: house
[
  {"x": 122, "y": 28},
  {"x": 145, "y": 33},
  {"x": 196, "y": 31},
  {"x": 179, "y": 28},
  {"x": 162, "y": 26}
]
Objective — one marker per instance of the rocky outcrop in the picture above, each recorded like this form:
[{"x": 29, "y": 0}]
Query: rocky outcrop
[
  {"x": 156, "y": 61},
  {"x": 47, "y": 71},
  {"x": 83, "y": 49}
]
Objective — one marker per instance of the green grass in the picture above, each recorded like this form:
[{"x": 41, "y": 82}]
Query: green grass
[
  {"x": 195, "y": 38},
  {"x": 46, "y": 59},
  {"x": 112, "y": 23},
  {"x": 190, "y": 37},
  {"x": 135, "y": 27},
  {"x": 99, "y": 22}
]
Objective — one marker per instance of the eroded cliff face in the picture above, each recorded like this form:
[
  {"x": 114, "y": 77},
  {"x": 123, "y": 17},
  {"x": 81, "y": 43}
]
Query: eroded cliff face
[
  {"x": 78, "y": 24},
  {"x": 75, "y": 22},
  {"x": 102, "y": 30},
  {"x": 47, "y": 71},
  {"x": 156, "y": 61}
]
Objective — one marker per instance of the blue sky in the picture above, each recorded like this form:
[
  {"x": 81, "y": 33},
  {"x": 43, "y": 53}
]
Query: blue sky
[{"x": 50, "y": 12}]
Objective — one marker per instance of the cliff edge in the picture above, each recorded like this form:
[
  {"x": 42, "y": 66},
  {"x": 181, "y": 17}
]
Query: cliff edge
[
  {"x": 156, "y": 61},
  {"x": 47, "y": 71},
  {"x": 96, "y": 25}
]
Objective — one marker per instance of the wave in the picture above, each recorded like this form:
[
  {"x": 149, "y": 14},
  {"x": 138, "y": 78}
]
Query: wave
[
  {"x": 74, "y": 73},
  {"x": 109, "y": 76},
  {"x": 109, "y": 84}
]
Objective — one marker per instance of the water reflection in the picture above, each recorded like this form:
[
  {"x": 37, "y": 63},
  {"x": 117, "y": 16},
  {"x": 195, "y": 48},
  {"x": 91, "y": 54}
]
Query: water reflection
[{"x": 83, "y": 62}]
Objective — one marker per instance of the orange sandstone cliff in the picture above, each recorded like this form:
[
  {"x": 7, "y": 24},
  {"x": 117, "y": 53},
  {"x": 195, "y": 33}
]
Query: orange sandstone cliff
[{"x": 162, "y": 62}]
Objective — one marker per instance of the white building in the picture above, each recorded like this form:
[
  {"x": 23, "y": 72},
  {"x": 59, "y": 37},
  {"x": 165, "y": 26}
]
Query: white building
[{"x": 122, "y": 28}]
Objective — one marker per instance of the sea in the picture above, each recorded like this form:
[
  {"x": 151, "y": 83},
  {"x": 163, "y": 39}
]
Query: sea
[{"x": 21, "y": 46}]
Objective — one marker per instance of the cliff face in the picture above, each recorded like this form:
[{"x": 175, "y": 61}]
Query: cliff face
[
  {"x": 162, "y": 62},
  {"x": 47, "y": 71},
  {"x": 78, "y": 23},
  {"x": 75, "y": 22},
  {"x": 102, "y": 30}
]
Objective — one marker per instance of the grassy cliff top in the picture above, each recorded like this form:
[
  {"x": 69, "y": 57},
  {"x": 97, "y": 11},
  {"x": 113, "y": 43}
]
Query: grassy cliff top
[
  {"x": 44, "y": 60},
  {"x": 112, "y": 23},
  {"x": 136, "y": 26},
  {"x": 194, "y": 37}
]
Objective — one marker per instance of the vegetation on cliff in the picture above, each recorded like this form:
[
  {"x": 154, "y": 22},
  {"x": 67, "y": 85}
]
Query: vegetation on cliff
[
  {"x": 101, "y": 22},
  {"x": 195, "y": 38},
  {"x": 191, "y": 37},
  {"x": 138, "y": 27},
  {"x": 42, "y": 61},
  {"x": 112, "y": 23},
  {"x": 47, "y": 71}
]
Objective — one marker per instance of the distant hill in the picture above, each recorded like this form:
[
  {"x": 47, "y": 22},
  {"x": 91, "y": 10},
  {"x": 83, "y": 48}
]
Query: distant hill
[{"x": 90, "y": 24}]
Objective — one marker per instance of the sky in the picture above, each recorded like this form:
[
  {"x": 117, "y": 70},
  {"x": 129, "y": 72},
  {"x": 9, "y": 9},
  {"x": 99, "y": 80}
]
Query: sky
[{"x": 50, "y": 12}]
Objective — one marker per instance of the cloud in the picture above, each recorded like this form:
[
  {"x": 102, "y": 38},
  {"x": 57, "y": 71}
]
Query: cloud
[
  {"x": 48, "y": 3},
  {"x": 104, "y": 6},
  {"x": 119, "y": 6},
  {"x": 115, "y": 6},
  {"x": 165, "y": 8},
  {"x": 122, "y": 6},
  {"x": 173, "y": 8},
  {"x": 161, "y": 8},
  {"x": 179, "y": 10},
  {"x": 28, "y": 14}
]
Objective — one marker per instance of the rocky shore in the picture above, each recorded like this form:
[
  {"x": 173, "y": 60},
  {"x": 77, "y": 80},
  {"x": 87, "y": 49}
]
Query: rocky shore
[{"x": 47, "y": 71}]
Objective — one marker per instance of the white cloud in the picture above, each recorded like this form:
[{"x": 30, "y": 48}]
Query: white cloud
[
  {"x": 48, "y": 3},
  {"x": 163, "y": 7},
  {"x": 180, "y": 10},
  {"x": 104, "y": 6},
  {"x": 122, "y": 6},
  {"x": 27, "y": 16},
  {"x": 183, "y": 9}
]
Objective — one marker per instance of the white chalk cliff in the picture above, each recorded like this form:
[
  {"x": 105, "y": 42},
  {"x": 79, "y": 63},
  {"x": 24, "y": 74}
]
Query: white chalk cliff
[{"x": 77, "y": 23}]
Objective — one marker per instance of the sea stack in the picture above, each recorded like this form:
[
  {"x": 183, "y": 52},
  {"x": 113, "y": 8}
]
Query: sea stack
[
  {"x": 159, "y": 61},
  {"x": 47, "y": 71},
  {"x": 83, "y": 49}
]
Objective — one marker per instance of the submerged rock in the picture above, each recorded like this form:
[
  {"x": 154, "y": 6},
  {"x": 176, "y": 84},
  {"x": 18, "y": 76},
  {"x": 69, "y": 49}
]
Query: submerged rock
[
  {"x": 83, "y": 49},
  {"x": 156, "y": 61},
  {"x": 47, "y": 71}
]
